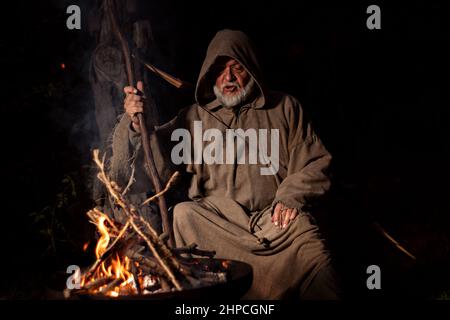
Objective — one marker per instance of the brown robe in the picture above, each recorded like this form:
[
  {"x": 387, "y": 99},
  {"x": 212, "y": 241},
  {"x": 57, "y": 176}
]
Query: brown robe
[{"x": 231, "y": 205}]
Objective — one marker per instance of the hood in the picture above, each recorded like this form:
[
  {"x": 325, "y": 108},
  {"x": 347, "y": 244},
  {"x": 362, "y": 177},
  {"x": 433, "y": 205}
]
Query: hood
[{"x": 236, "y": 45}]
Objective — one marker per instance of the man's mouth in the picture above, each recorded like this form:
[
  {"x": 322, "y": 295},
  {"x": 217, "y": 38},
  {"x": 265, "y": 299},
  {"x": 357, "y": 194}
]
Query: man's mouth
[{"x": 230, "y": 89}]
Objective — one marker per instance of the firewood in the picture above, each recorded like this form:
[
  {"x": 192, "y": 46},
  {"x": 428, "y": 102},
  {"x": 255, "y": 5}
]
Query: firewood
[
  {"x": 192, "y": 249},
  {"x": 163, "y": 264},
  {"x": 98, "y": 283},
  {"x": 135, "y": 278},
  {"x": 164, "y": 284},
  {"x": 141, "y": 253},
  {"x": 131, "y": 213},
  {"x": 111, "y": 285}
]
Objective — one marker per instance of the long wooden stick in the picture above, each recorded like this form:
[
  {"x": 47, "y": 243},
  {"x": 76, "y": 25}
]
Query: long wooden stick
[
  {"x": 384, "y": 233},
  {"x": 148, "y": 155},
  {"x": 177, "y": 83}
]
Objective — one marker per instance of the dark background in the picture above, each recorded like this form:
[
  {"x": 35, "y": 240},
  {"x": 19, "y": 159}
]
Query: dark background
[{"x": 375, "y": 97}]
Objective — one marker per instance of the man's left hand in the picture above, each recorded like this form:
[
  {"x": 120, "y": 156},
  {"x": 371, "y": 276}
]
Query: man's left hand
[{"x": 283, "y": 215}]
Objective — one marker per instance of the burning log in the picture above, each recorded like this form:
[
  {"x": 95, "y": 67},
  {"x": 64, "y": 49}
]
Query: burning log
[{"x": 132, "y": 259}]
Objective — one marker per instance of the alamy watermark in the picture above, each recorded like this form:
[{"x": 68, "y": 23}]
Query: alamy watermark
[
  {"x": 191, "y": 150},
  {"x": 74, "y": 280},
  {"x": 73, "y": 22},
  {"x": 374, "y": 280},
  {"x": 374, "y": 20}
]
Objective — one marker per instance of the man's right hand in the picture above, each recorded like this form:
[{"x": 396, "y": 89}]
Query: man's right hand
[
  {"x": 134, "y": 103},
  {"x": 283, "y": 215}
]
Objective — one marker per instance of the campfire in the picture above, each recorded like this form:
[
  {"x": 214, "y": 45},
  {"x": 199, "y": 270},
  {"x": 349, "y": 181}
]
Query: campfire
[{"x": 133, "y": 260}]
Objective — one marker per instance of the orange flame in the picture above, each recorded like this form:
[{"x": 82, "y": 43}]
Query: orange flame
[
  {"x": 115, "y": 268},
  {"x": 102, "y": 243}
]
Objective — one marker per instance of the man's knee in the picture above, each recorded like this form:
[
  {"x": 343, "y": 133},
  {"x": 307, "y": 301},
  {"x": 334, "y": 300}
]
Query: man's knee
[
  {"x": 183, "y": 212},
  {"x": 324, "y": 286}
]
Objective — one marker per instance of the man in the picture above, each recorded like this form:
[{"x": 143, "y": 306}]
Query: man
[{"x": 255, "y": 165}]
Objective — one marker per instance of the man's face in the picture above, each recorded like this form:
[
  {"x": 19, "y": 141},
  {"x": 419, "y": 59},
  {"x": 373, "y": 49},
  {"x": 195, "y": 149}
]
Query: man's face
[
  {"x": 231, "y": 82},
  {"x": 232, "y": 77}
]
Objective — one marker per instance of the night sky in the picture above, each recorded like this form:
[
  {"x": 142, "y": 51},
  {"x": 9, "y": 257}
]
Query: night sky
[{"x": 376, "y": 98}]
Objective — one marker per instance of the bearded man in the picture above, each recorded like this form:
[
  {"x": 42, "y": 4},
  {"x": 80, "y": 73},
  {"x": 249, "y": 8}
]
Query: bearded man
[{"x": 253, "y": 209}]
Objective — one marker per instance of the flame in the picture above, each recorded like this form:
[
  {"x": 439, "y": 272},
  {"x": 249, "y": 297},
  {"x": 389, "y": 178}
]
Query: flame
[
  {"x": 113, "y": 268},
  {"x": 118, "y": 275},
  {"x": 103, "y": 242},
  {"x": 85, "y": 246},
  {"x": 63, "y": 66}
]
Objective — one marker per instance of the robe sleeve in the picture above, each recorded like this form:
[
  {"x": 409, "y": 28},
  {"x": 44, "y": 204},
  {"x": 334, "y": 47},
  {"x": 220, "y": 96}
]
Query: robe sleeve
[
  {"x": 127, "y": 152},
  {"x": 307, "y": 177}
]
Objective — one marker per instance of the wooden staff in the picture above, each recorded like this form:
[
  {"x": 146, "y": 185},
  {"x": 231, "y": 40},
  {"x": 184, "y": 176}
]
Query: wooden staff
[
  {"x": 148, "y": 155},
  {"x": 177, "y": 83}
]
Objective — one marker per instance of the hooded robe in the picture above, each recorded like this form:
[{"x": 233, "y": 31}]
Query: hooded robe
[{"x": 231, "y": 204}]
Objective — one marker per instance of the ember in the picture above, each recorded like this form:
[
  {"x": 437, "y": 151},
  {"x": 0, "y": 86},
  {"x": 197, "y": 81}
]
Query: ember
[{"x": 132, "y": 259}]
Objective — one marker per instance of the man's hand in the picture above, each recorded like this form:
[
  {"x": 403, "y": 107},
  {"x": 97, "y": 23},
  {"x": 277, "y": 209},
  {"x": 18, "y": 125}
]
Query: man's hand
[
  {"x": 283, "y": 215},
  {"x": 134, "y": 103}
]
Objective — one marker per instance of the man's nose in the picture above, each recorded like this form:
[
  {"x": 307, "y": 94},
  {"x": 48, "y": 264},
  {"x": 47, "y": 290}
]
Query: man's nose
[{"x": 229, "y": 75}]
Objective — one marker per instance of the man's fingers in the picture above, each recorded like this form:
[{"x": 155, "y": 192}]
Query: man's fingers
[
  {"x": 132, "y": 98},
  {"x": 135, "y": 98},
  {"x": 132, "y": 101},
  {"x": 276, "y": 218},
  {"x": 140, "y": 105},
  {"x": 294, "y": 214},
  {"x": 276, "y": 213},
  {"x": 286, "y": 217},
  {"x": 282, "y": 215},
  {"x": 128, "y": 98},
  {"x": 129, "y": 90},
  {"x": 137, "y": 108},
  {"x": 140, "y": 86},
  {"x": 281, "y": 221}
]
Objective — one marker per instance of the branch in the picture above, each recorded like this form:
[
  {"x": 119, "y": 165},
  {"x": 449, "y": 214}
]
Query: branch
[
  {"x": 384, "y": 233},
  {"x": 159, "y": 194}
]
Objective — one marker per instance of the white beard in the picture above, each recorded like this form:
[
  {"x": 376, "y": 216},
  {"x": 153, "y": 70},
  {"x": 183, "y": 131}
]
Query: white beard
[{"x": 232, "y": 100}]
